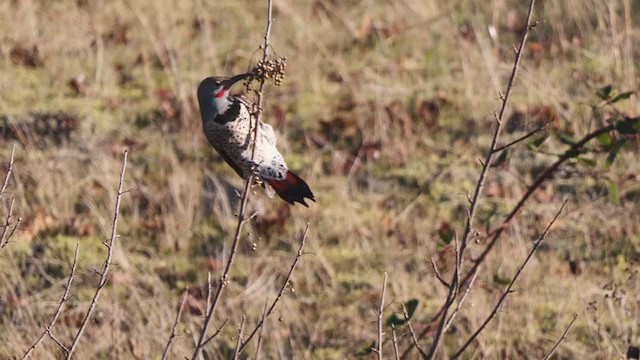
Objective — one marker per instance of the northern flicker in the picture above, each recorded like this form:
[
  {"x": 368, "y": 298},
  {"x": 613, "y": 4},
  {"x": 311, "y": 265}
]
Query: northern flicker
[{"x": 228, "y": 123}]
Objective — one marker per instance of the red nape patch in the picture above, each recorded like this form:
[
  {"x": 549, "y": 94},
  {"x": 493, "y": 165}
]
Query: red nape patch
[{"x": 220, "y": 94}]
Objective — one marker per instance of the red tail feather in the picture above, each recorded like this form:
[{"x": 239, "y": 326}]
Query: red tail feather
[{"x": 292, "y": 189}]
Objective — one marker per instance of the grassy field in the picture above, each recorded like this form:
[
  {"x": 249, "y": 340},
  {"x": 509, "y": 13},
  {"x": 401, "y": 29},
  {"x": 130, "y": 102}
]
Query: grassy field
[{"x": 385, "y": 110}]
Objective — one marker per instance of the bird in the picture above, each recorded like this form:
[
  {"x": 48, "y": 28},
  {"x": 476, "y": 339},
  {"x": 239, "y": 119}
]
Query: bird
[{"x": 228, "y": 123}]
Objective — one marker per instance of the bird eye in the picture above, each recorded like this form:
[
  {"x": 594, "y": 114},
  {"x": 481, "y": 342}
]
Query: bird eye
[{"x": 217, "y": 82}]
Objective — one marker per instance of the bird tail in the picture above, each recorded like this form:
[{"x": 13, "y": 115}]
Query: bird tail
[{"x": 292, "y": 189}]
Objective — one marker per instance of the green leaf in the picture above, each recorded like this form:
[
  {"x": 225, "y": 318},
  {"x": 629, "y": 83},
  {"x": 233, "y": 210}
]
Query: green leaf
[
  {"x": 499, "y": 280},
  {"x": 613, "y": 153},
  {"x": 536, "y": 143},
  {"x": 446, "y": 233},
  {"x": 411, "y": 306},
  {"x": 604, "y": 92},
  {"x": 398, "y": 318},
  {"x": 572, "y": 153},
  {"x": 567, "y": 139},
  {"x": 366, "y": 350},
  {"x": 588, "y": 162},
  {"x": 614, "y": 195},
  {"x": 628, "y": 127},
  {"x": 604, "y": 139},
  {"x": 622, "y": 96}
]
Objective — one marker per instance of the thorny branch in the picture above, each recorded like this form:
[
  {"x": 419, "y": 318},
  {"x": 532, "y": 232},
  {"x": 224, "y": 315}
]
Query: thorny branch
[
  {"x": 224, "y": 280},
  {"x": 508, "y": 290},
  {"x": 455, "y": 281},
  {"x": 107, "y": 263},
  {"x": 63, "y": 299}
]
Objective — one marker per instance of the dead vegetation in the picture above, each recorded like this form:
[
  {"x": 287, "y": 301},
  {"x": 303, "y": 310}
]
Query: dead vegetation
[{"x": 386, "y": 108}]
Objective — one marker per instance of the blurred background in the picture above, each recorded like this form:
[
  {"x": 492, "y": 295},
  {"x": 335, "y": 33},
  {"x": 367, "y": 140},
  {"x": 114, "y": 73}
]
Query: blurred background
[{"x": 385, "y": 109}]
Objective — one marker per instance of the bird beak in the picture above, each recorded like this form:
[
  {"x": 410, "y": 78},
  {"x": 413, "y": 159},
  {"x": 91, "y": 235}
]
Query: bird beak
[{"x": 234, "y": 79}]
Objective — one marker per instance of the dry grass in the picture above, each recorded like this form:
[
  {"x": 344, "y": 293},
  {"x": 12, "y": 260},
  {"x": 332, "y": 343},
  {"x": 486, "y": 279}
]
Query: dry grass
[{"x": 380, "y": 101}]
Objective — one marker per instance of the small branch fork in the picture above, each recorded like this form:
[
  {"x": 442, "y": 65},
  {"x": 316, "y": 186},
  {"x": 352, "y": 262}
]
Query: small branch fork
[
  {"x": 63, "y": 299},
  {"x": 508, "y": 291},
  {"x": 224, "y": 280},
  {"x": 454, "y": 284}
]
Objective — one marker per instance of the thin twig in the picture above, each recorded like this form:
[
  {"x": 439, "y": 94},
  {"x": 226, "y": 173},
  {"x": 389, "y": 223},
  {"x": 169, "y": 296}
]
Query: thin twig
[
  {"x": 107, "y": 263},
  {"x": 380, "y": 311},
  {"x": 223, "y": 281},
  {"x": 239, "y": 343},
  {"x": 259, "y": 346},
  {"x": 413, "y": 334},
  {"x": 395, "y": 342},
  {"x": 165, "y": 353},
  {"x": 508, "y": 291},
  {"x": 564, "y": 336},
  {"x": 437, "y": 272},
  {"x": 454, "y": 313},
  {"x": 208, "y": 302},
  {"x": 282, "y": 288},
  {"x": 523, "y": 138},
  {"x": 454, "y": 283},
  {"x": 4, "y": 239},
  {"x": 55, "y": 340},
  {"x": 9, "y": 170},
  {"x": 217, "y": 332},
  {"x": 64, "y": 298}
]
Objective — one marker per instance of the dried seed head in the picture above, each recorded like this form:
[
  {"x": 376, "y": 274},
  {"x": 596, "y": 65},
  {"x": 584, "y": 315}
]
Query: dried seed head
[{"x": 270, "y": 69}]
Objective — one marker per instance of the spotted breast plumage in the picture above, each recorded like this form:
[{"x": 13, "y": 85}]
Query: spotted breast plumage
[{"x": 228, "y": 125}]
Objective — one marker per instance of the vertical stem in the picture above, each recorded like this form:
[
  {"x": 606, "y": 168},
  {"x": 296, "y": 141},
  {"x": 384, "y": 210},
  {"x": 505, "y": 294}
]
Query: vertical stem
[{"x": 107, "y": 263}]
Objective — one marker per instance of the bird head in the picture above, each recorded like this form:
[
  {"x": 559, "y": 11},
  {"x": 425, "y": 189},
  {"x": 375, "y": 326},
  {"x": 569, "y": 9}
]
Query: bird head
[{"x": 213, "y": 94}]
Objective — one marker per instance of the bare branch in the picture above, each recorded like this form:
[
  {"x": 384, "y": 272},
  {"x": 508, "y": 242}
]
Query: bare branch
[
  {"x": 564, "y": 336},
  {"x": 64, "y": 298},
  {"x": 239, "y": 343},
  {"x": 60, "y": 344},
  {"x": 243, "y": 203},
  {"x": 380, "y": 311},
  {"x": 507, "y": 291},
  {"x": 4, "y": 239},
  {"x": 454, "y": 313},
  {"x": 523, "y": 138},
  {"x": 395, "y": 342},
  {"x": 282, "y": 288},
  {"x": 9, "y": 170},
  {"x": 453, "y": 288},
  {"x": 537, "y": 183},
  {"x": 437, "y": 272},
  {"x": 216, "y": 333},
  {"x": 107, "y": 263},
  {"x": 165, "y": 353},
  {"x": 259, "y": 346},
  {"x": 413, "y": 334}
]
